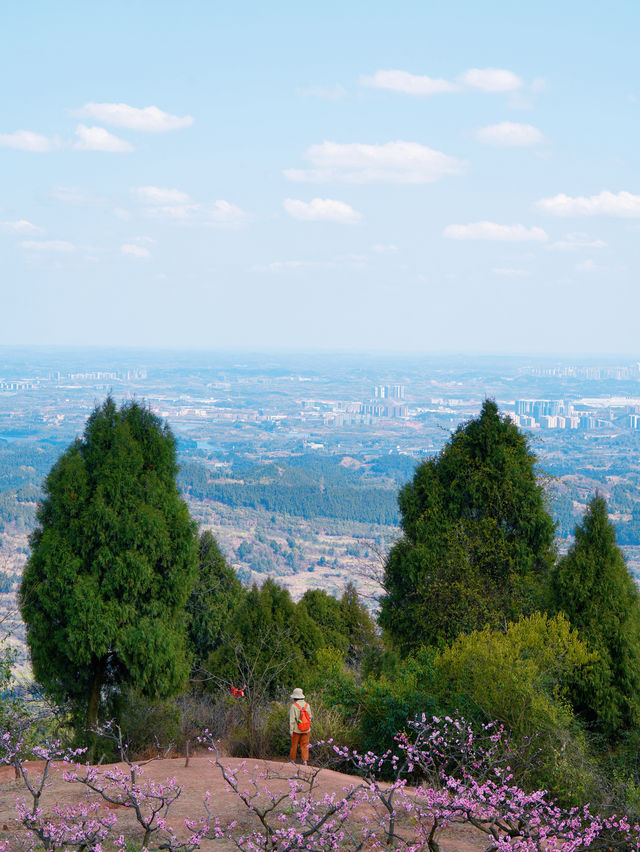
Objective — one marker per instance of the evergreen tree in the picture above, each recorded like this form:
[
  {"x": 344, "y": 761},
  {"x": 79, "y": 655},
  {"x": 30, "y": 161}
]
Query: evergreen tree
[
  {"x": 594, "y": 589},
  {"x": 112, "y": 563},
  {"x": 326, "y": 612},
  {"x": 215, "y": 597},
  {"x": 358, "y": 625},
  {"x": 477, "y": 544},
  {"x": 345, "y": 624},
  {"x": 268, "y": 633}
]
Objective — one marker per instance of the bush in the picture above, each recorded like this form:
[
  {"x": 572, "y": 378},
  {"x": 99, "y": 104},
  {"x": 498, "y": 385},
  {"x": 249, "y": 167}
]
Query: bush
[
  {"x": 386, "y": 703},
  {"x": 523, "y": 678},
  {"x": 254, "y": 731},
  {"x": 330, "y": 726},
  {"x": 147, "y": 724}
]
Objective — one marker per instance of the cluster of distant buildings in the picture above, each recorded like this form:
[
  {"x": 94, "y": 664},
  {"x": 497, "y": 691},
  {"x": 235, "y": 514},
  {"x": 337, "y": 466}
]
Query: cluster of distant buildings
[
  {"x": 135, "y": 374},
  {"x": 393, "y": 409},
  {"x": 631, "y": 371},
  {"x": 18, "y": 385},
  {"x": 559, "y": 414},
  {"x": 388, "y": 392},
  {"x": 102, "y": 376}
]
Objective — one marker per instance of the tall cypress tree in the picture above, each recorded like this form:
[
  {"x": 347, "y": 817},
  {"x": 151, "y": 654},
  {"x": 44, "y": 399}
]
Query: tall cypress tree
[
  {"x": 113, "y": 560},
  {"x": 594, "y": 589},
  {"x": 477, "y": 544}
]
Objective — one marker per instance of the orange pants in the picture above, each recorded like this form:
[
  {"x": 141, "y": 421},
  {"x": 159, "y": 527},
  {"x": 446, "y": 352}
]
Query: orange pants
[{"x": 303, "y": 741}]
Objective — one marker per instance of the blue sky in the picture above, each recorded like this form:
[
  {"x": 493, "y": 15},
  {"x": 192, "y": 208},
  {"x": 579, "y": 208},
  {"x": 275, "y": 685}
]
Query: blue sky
[{"x": 442, "y": 177}]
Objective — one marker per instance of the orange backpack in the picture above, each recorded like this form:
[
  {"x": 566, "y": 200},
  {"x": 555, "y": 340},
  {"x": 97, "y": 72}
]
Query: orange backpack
[{"x": 305, "y": 719}]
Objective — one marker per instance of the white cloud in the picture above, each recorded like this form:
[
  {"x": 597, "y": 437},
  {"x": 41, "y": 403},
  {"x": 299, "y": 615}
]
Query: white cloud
[
  {"x": 327, "y": 93},
  {"x": 349, "y": 261},
  {"x": 21, "y": 226},
  {"x": 221, "y": 213},
  {"x": 509, "y": 133},
  {"x": 393, "y": 162},
  {"x": 352, "y": 260},
  {"x": 164, "y": 203},
  {"x": 322, "y": 210},
  {"x": 622, "y": 204},
  {"x": 150, "y": 119},
  {"x": 289, "y": 264},
  {"x": 384, "y": 249},
  {"x": 76, "y": 195},
  {"x": 174, "y": 211},
  {"x": 158, "y": 195},
  {"x": 135, "y": 251},
  {"x": 99, "y": 139},
  {"x": 59, "y": 246},
  {"x": 511, "y": 273},
  {"x": 208, "y": 213},
  {"x": 589, "y": 266},
  {"x": 475, "y": 79},
  {"x": 577, "y": 240},
  {"x": 490, "y": 80},
  {"x": 526, "y": 97},
  {"x": 409, "y": 84},
  {"x": 493, "y": 231},
  {"x": 26, "y": 140}
]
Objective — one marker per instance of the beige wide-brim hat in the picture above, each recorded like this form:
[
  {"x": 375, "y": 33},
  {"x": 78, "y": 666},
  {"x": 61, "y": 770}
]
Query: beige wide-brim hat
[{"x": 297, "y": 693}]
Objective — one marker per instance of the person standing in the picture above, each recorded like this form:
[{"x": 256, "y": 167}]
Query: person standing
[{"x": 299, "y": 726}]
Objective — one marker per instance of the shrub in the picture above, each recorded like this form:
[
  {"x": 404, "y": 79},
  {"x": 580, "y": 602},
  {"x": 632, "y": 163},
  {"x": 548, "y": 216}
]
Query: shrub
[
  {"x": 145, "y": 722},
  {"x": 523, "y": 678},
  {"x": 387, "y": 702}
]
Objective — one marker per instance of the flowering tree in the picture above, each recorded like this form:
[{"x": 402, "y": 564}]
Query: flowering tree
[
  {"x": 459, "y": 776},
  {"x": 86, "y": 826},
  {"x": 297, "y": 817},
  {"x": 79, "y": 827},
  {"x": 464, "y": 777},
  {"x": 149, "y": 800}
]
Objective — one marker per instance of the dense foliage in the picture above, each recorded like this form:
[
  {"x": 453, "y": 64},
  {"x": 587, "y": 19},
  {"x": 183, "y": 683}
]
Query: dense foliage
[
  {"x": 112, "y": 563},
  {"x": 592, "y": 586},
  {"x": 213, "y": 600},
  {"x": 273, "y": 641},
  {"x": 477, "y": 544},
  {"x": 365, "y": 505}
]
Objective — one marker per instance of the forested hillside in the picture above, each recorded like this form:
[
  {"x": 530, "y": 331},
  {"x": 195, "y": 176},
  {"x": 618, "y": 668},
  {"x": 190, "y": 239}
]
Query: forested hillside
[{"x": 294, "y": 491}]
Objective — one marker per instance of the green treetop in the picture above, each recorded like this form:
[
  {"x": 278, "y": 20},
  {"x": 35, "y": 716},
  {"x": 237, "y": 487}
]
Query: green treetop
[
  {"x": 215, "y": 597},
  {"x": 326, "y": 613},
  {"x": 593, "y": 587},
  {"x": 477, "y": 544},
  {"x": 345, "y": 624},
  {"x": 269, "y": 638},
  {"x": 113, "y": 560}
]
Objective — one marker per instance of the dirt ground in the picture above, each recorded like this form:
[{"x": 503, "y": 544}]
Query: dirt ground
[{"x": 199, "y": 777}]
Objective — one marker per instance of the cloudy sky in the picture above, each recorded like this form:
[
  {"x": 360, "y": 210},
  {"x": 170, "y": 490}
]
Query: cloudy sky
[{"x": 427, "y": 176}]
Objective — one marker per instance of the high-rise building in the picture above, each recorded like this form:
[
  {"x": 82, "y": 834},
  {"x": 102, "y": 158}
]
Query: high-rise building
[{"x": 388, "y": 392}]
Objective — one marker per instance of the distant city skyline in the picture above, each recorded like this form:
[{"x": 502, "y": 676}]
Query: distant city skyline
[{"x": 404, "y": 177}]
